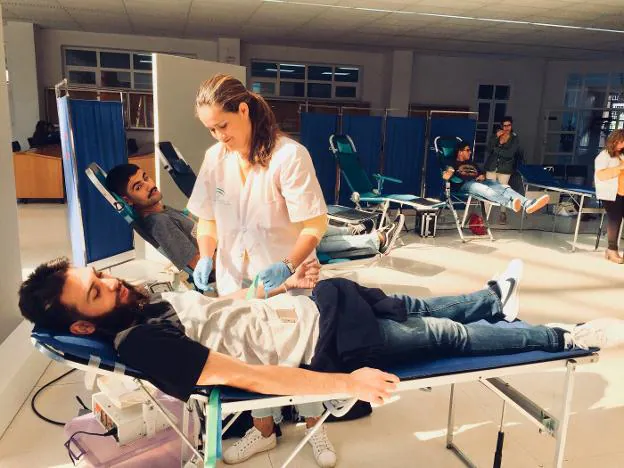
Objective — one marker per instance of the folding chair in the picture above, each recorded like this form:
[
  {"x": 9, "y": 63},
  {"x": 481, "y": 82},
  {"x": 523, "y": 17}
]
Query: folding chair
[
  {"x": 445, "y": 148},
  {"x": 363, "y": 190}
]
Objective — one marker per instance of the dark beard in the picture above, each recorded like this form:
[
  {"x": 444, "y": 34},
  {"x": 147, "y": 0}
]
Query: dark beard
[{"x": 123, "y": 316}]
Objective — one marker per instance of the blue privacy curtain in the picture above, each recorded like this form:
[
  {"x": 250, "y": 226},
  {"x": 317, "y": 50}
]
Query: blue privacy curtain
[
  {"x": 92, "y": 131},
  {"x": 445, "y": 127},
  {"x": 366, "y": 134},
  {"x": 315, "y": 132},
  {"x": 405, "y": 144}
]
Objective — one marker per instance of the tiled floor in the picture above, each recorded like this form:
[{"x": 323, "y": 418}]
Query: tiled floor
[{"x": 557, "y": 286}]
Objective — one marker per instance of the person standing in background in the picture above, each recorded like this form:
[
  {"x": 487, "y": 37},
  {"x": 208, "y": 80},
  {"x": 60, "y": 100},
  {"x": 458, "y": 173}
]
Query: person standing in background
[
  {"x": 609, "y": 181},
  {"x": 503, "y": 152}
]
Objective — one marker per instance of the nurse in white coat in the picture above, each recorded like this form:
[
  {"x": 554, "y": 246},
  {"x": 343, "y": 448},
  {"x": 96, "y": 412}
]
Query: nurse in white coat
[{"x": 257, "y": 197}]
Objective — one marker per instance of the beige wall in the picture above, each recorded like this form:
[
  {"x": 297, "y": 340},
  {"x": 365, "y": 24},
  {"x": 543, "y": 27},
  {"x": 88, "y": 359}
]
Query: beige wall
[{"x": 454, "y": 81}]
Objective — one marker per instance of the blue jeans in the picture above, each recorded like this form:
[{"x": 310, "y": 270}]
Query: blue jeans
[
  {"x": 340, "y": 239},
  {"x": 305, "y": 410},
  {"x": 445, "y": 326},
  {"x": 494, "y": 192}
]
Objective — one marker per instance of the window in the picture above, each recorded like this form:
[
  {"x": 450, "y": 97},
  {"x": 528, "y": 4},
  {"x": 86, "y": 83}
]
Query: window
[
  {"x": 297, "y": 80},
  {"x": 108, "y": 68},
  {"x": 593, "y": 106},
  {"x": 492, "y": 103}
]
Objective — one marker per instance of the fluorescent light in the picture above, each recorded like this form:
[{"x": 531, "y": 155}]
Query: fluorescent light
[
  {"x": 438, "y": 15},
  {"x": 291, "y": 65},
  {"x": 145, "y": 61},
  {"x": 349, "y": 68}
]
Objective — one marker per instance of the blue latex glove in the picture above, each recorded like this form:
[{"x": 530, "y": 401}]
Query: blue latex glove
[
  {"x": 202, "y": 272},
  {"x": 274, "y": 275}
]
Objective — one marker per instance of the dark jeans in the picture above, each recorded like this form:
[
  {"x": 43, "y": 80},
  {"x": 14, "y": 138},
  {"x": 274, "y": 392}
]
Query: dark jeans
[
  {"x": 445, "y": 326},
  {"x": 615, "y": 213}
]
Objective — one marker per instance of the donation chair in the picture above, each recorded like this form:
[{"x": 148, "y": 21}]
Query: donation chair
[{"x": 445, "y": 148}]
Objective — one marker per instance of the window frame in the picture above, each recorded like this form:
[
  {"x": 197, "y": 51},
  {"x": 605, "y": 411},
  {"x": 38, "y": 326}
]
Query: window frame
[{"x": 279, "y": 78}]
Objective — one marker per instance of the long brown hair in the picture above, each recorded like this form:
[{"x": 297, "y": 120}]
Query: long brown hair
[
  {"x": 228, "y": 92},
  {"x": 615, "y": 138}
]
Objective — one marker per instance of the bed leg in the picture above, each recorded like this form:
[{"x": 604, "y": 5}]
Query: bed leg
[
  {"x": 562, "y": 428},
  {"x": 500, "y": 440},
  {"x": 578, "y": 222},
  {"x": 231, "y": 422},
  {"x": 165, "y": 415},
  {"x": 185, "y": 429},
  {"x": 308, "y": 436},
  {"x": 450, "y": 430},
  {"x": 450, "y": 427}
]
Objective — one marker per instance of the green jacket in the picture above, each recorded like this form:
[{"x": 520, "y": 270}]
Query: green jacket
[{"x": 503, "y": 158}]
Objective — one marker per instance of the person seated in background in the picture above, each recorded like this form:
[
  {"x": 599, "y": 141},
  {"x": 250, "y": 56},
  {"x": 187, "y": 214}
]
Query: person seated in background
[
  {"x": 176, "y": 231},
  {"x": 466, "y": 177},
  {"x": 179, "y": 340},
  {"x": 44, "y": 135}
]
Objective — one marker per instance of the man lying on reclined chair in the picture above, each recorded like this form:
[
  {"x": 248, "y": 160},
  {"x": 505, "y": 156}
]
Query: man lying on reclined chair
[
  {"x": 175, "y": 231},
  {"x": 180, "y": 340},
  {"x": 465, "y": 177}
]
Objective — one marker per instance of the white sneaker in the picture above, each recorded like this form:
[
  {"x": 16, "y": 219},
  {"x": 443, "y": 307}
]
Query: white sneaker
[
  {"x": 252, "y": 442},
  {"x": 324, "y": 451},
  {"x": 601, "y": 333},
  {"x": 508, "y": 283},
  {"x": 392, "y": 234}
]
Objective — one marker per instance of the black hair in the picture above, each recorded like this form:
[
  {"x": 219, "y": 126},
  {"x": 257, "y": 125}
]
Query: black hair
[
  {"x": 118, "y": 177},
  {"x": 507, "y": 118},
  {"x": 460, "y": 146},
  {"x": 40, "y": 296}
]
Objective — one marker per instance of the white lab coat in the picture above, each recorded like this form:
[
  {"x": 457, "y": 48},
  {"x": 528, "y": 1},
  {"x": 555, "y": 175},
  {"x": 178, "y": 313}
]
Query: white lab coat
[{"x": 259, "y": 216}]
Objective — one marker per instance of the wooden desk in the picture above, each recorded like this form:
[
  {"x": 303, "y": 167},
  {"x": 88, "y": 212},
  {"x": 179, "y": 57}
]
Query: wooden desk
[
  {"x": 39, "y": 176},
  {"x": 145, "y": 162}
]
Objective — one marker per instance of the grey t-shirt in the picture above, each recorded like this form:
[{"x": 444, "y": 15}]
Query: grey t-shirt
[{"x": 175, "y": 233}]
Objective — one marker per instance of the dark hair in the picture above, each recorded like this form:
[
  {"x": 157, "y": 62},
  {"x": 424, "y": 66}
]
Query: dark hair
[
  {"x": 507, "y": 118},
  {"x": 118, "y": 177},
  {"x": 228, "y": 92},
  {"x": 460, "y": 146},
  {"x": 615, "y": 138},
  {"x": 40, "y": 296}
]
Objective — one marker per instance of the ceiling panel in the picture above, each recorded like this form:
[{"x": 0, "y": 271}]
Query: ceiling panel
[
  {"x": 104, "y": 6},
  {"x": 46, "y": 15},
  {"x": 270, "y": 14},
  {"x": 44, "y": 3},
  {"x": 350, "y": 23}
]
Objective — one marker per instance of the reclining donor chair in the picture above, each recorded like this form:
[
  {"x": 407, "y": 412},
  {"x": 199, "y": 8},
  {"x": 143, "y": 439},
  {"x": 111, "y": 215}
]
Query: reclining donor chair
[
  {"x": 445, "y": 152},
  {"x": 362, "y": 189}
]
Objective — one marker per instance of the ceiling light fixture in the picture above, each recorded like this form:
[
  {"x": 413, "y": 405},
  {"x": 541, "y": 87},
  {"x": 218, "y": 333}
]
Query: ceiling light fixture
[{"x": 439, "y": 15}]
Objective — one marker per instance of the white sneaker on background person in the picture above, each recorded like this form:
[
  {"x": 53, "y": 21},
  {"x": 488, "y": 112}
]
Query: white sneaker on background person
[
  {"x": 250, "y": 444},
  {"x": 324, "y": 452}
]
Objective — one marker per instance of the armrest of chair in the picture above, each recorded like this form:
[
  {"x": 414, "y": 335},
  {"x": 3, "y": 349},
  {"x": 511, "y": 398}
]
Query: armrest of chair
[
  {"x": 390, "y": 179},
  {"x": 381, "y": 179}
]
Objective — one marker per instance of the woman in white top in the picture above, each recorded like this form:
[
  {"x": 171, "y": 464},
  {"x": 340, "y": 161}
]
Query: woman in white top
[
  {"x": 258, "y": 198},
  {"x": 609, "y": 180}
]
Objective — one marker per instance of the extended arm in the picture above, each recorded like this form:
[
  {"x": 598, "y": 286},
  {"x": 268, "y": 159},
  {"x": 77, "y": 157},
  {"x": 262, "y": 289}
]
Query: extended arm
[{"x": 366, "y": 384}]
